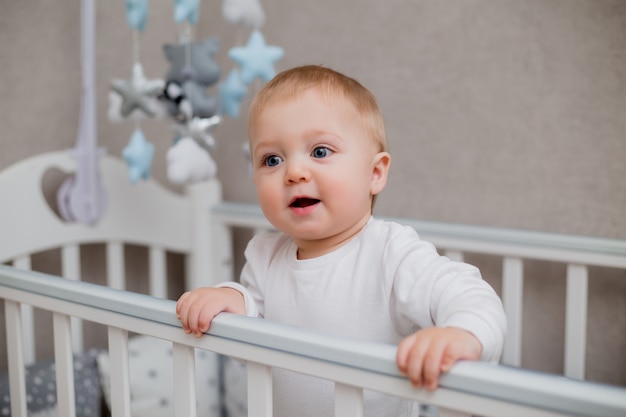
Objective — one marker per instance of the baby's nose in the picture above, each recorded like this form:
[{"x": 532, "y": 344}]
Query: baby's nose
[{"x": 297, "y": 171}]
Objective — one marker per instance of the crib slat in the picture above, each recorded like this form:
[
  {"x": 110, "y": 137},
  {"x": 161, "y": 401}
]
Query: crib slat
[
  {"x": 348, "y": 401},
  {"x": 15, "y": 356},
  {"x": 64, "y": 366},
  {"x": 120, "y": 383},
  {"x": 184, "y": 380},
  {"x": 70, "y": 269},
  {"x": 115, "y": 265},
  {"x": 260, "y": 401},
  {"x": 576, "y": 321},
  {"x": 455, "y": 255},
  {"x": 28, "y": 320},
  {"x": 158, "y": 283},
  {"x": 512, "y": 298}
]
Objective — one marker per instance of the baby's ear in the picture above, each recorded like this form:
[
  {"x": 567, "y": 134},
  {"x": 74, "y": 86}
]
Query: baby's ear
[{"x": 380, "y": 171}]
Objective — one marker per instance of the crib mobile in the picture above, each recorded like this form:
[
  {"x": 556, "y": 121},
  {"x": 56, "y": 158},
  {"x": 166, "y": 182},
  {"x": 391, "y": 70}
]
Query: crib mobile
[{"x": 183, "y": 95}]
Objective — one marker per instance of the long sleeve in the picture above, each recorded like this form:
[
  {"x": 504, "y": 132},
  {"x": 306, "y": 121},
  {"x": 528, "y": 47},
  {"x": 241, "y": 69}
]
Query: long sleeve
[{"x": 432, "y": 290}]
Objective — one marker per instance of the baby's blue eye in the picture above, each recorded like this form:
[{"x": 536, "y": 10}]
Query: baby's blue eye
[
  {"x": 320, "y": 152},
  {"x": 272, "y": 160}
]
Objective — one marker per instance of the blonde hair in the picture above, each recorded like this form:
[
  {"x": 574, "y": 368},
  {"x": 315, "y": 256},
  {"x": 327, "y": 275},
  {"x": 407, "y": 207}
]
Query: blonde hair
[{"x": 291, "y": 83}]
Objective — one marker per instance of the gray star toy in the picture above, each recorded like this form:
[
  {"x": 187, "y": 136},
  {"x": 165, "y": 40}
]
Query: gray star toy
[{"x": 138, "y": 92}]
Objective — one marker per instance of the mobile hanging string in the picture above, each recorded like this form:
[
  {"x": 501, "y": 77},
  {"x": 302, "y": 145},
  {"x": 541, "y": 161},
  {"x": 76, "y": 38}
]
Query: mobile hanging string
[{"x": 82, "y": 197}]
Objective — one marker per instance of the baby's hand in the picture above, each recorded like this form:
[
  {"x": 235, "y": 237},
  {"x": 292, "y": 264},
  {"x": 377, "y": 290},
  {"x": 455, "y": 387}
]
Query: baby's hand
[
  {"x": 425, "y": 355},
  {"x": 196, "y": 309}
]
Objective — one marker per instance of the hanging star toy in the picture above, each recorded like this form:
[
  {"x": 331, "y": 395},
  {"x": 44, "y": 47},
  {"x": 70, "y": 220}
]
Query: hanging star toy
[
  {"x": 232, "y": 92},
  {"x": 186, "y": 10},
  {"x": 137, "y": 14},
  {"x": 199, "y": 129},
  {"x": 256, "y": 59},
  {"x": 138, "y": 156},
  {"x": 138, "y": 92}
]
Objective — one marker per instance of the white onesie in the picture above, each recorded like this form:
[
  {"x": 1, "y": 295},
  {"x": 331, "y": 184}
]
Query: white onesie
[{"x": 383, "y": 285}]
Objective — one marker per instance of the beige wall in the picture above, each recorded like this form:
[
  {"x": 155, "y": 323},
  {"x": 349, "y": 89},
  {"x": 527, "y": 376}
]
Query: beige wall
[{"x": 508, "y": 114}]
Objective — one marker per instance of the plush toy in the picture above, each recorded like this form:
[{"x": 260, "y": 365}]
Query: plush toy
[
  {"x": 186, "y": 10},
  {"x": 138, "y": 155},
  {"x": 244, "y": 12},
  {"x": 138, "y": 92},
  {"x": 256, "y": 59},
  {"x": 192, "y": 71},
  {"x": 199, "y": 129},
  {"x": 232, "y": 92},
  {"x": 137, "y": 14},
  {"x": 185, "y": 91},
  {"x": 187, "y": 162}
]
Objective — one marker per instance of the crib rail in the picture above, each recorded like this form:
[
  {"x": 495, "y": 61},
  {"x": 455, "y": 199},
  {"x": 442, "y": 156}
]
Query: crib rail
[
  {"x": 514, "y": 246},
  {"x": 477, "y": 239},
  {"x": 469, "y": 388}
]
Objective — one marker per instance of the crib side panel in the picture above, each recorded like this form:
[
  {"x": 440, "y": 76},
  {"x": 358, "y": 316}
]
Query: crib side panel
[{"x": 470, "y": 388}]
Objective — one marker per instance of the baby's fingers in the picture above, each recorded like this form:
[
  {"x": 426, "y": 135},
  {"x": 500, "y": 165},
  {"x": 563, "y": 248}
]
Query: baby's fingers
[
  {"x": 410, "y": 358},
  {"x": 402, "y": 354},
  {"x": 182, "y": 311}
]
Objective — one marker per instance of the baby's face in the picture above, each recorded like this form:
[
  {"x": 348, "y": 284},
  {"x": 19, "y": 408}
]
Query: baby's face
[{"x": 313, "y": 169}]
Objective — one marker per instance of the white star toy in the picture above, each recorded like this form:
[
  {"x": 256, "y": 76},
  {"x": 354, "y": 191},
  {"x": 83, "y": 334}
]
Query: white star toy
[
  {"x": 199, "y": 129},
  {"x": 138, "y": 92}
]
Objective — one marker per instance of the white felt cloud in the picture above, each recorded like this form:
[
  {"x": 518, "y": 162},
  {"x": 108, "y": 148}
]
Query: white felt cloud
[
  {"x": 246, "y": 12},
  {"x": 187, "y": 162}
]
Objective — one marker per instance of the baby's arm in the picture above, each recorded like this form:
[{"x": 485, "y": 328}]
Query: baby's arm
[
  {"x": 428, "y": 353},
  {"x": 196, "y": 309}
]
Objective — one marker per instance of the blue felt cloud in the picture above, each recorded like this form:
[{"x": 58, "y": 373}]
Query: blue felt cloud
[
  {"x": 186, "y": 10},
  {"x": 138, "y": 155},
  {"x": 137, "y": 13},
  {"x": 232, "y": 92},
  {"x": 256, "y": 59}
]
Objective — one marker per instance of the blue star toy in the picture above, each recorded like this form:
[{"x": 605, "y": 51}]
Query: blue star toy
[
  {"x": 256, "y": 59},
  {"x": 232, "y": 92},
  {"x": 186, "y": 10},
  {"x": 138, "y": 155},
  {"x": 137, "y": 13}
]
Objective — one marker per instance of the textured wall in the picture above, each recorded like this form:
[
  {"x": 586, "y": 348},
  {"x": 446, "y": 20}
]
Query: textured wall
[{"x": 508, "y": 114}]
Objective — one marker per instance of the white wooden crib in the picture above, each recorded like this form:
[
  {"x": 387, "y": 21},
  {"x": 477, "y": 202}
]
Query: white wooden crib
[{"x": 199, "y": 225}]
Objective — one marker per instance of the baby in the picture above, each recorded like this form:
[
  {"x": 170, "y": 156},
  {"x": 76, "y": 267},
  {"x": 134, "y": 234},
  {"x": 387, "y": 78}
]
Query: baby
[{"x": 319, "y": 160}]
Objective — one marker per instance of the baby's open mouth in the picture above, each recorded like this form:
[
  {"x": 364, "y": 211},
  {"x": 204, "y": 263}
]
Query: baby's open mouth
[{"x": 303, "y": 202}]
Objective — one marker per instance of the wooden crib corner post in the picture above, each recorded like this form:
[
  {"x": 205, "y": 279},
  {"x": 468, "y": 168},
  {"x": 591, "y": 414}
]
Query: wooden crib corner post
[{"x": 210, "y": 261}]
